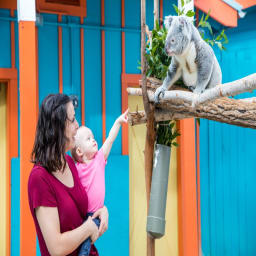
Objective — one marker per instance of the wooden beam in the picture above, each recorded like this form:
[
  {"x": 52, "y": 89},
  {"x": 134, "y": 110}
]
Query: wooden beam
[
  {"x": 156, "y": 11},
  {"x": 225, "y": 110},
  {"x": 150, "y": 134}
]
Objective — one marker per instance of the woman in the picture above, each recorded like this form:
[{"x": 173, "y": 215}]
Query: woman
[{"x": 58, "y": 202}]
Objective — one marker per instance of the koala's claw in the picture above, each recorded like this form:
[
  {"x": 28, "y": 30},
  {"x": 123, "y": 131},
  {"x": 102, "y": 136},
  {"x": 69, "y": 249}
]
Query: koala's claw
[
  {"x": 198, "y": 90},
  {"x": 158, "y": 93}
]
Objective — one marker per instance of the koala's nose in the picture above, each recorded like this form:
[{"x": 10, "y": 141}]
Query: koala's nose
[{"x": 166, "y": 48}]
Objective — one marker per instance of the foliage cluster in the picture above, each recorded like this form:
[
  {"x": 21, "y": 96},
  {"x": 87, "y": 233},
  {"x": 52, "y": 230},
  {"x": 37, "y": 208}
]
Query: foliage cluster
[{"x": 166, "y": 133}]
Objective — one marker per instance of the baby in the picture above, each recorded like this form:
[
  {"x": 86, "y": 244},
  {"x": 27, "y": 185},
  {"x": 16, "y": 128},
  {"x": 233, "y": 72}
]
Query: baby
[{"x": 90, "y": 163}]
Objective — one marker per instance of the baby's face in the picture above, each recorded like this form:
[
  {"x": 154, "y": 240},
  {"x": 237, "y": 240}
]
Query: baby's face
[{"x": 90, "y": 146}]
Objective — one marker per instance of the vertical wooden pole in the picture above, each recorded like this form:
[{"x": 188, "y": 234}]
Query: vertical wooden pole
[
  {"x": 156, "y": 11},
  {"x": 151, "y": 134}
]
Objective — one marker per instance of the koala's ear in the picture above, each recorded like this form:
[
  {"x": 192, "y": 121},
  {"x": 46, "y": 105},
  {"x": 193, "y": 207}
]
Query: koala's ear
[
  {"x": 184, "y": 21},
  {"x": 168, "y": 21}
]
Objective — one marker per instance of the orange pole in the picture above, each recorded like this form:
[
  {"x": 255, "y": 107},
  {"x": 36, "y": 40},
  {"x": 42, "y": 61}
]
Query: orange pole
[
  {"x": 82, "y": 74},
  {"x": 28, "y": 110},
  {"x": 161, "y": 11},
  {"x": 12, "y": 149},
  {"x": 187, "y": 189},
  {"x": 12, "y": 130},
  {"x": 103, "y": 72},
  {"x": 125, "y": 149},
  {"x": 60, "y": 55}
]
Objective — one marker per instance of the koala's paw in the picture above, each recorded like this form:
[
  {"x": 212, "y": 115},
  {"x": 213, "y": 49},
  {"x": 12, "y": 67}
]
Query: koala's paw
[
  {"x": 198, "y": 90},
  {"x": 158, "y": 93}
]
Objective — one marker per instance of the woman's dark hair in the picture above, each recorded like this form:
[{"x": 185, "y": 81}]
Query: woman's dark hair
[{"x": 50, "y": 140}]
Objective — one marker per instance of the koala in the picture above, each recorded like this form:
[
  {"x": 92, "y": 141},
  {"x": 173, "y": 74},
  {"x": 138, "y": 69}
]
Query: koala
[{"x": 192, "y": 58}]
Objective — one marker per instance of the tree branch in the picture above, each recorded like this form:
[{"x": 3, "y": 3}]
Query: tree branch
[
  {"x": 177, "y": 104},
  {"x": 246, "y": 84}
]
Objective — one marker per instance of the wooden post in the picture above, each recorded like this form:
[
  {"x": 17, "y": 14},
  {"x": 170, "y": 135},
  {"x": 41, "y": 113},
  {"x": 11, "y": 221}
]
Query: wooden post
[
  {"x": 156, "y": 11},
  {"x": 151, "y": 134}
]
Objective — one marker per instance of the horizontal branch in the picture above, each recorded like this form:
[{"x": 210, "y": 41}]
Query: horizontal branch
[
  {"x": 246, "y": 84},
  {"x": 225, "y": 110},
  {"x": 212, "y": 105}
]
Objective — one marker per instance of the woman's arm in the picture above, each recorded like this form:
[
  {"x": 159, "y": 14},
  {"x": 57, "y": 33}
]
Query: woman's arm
[{"x": 63, "y": 243}]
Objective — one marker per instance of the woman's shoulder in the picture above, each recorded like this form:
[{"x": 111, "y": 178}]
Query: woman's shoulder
[{"x": 38, "y": 172}]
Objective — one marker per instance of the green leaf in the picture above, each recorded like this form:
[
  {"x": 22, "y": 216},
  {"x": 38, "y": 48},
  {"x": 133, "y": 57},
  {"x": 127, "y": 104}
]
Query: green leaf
[
  {"x": 176, "y": 8},
  {"x": 175, "y": 144},
  {"x": 190, "y": 13},
  {"x": 219, "y": 44},
  {"x": 182, "y": 3},
  {"x": 157, "y": 25},
  {"x": 207, "y": 16},
  {"x": 201, "y": 20},
  {"x": 207, "y": 24}
]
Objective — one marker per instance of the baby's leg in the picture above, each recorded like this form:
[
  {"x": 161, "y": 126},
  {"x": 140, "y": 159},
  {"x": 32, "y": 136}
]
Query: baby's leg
[{"x": 86, "y": 245}]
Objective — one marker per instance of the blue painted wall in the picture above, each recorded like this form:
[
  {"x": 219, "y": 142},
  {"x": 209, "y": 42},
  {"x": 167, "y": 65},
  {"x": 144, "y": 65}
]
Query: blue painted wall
[{"x": 227, "y": 160}]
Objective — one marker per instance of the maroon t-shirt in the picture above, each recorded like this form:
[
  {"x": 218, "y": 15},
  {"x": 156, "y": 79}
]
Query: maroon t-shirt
[{"x": 46, "y": 190}]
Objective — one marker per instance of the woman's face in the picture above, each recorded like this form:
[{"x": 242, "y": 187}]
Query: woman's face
[{"x": 71, "y": 126}]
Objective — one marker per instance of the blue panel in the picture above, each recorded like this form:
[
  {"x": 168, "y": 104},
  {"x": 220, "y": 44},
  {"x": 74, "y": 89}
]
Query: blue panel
[
  {"x": 116, "y": 239},
  {"x": 48, "y": 60},
  {"x": 132, "y": 39},
  {"x": 93, "y": 99},
  {"x": 5, "y": 42},
  {"x": 113, "y": 13},
  {"x": 132, "y": 52},
  {"x": 113, "y": 84},
  {"x": 227, "y": 161},
  {"x": 15, "y": 206},
  {"x": 204, "y": 179},
  {"x": 93, "y": 12},
  {"x": 132, "y": 14},
  {"x": 150, "y": 14},
  {"x": 38, "y": 253},
  {"x": 67, "y": 53},
  {"x": 71, "y": 62},
  {"x": 18, "y": 80},
  {"x": 168, "y": 7}
]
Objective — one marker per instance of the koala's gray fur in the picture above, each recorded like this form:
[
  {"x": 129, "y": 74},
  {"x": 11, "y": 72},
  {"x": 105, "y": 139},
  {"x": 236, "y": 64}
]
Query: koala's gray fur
[{"x": 192, "y": 58}]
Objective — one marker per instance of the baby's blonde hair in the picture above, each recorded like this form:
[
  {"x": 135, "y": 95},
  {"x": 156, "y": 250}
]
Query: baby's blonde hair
[{"x": 78, "y": 142}]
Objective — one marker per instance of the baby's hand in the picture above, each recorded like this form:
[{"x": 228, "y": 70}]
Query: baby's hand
[{"x": 123, "y": 118}]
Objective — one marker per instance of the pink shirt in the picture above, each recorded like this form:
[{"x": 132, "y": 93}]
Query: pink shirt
[{"x": 92, "y": 177}]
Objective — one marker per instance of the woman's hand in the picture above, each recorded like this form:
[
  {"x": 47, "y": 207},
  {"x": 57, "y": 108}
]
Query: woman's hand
[
  {"x": 93, "y": 229},
  {"x": 102, "y": 213}
]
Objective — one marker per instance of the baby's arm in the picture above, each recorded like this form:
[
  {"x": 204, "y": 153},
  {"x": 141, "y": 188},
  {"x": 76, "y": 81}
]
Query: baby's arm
[{"x": 113, "y": 133}]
